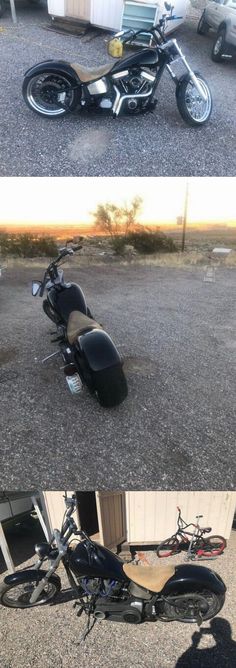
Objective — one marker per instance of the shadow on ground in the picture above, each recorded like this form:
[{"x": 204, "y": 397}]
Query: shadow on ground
[{"x": 223, "y": 653}]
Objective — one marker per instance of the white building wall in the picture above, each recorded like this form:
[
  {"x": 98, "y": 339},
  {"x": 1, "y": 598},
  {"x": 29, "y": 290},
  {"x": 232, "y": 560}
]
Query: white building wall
[{"x": 152, "y": 516}]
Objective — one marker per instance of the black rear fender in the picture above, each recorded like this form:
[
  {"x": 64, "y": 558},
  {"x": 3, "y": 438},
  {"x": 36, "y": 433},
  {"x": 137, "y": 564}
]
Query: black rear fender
[
  {"x": 55, "y": 66},
  {"x": 188, "y": 578},
  {"x": 23, "y": 576},
  {"x": 99, "y": 350}
]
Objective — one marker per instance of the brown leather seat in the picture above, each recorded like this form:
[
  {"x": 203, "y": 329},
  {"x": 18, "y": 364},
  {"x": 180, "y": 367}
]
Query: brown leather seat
[
  {"x": 87, "y": 74},
  {"x": 152, "y": 578},
  {"x": 79, "y": 323}
]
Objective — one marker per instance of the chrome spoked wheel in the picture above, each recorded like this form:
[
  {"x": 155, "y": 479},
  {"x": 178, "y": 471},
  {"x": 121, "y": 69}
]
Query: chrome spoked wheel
[
  {"x": 193, "y": 108},
  {"x": 19, "y": 596},
  {"x": 198, "y": 108},
  {"x": 50, "y": 94}
]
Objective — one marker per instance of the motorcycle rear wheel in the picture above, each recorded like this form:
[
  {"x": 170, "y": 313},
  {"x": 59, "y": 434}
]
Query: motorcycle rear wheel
[
  {"x": 193, "y": 109},
  {"x": 110, "y": 386},
  {"x": 24, "y": 590},
  {"x": 189, "y": 607},
  {"x": 41, "y": 91}
]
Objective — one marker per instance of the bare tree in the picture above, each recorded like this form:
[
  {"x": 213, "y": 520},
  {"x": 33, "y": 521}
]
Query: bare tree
[{"x": 113, "y": 220}]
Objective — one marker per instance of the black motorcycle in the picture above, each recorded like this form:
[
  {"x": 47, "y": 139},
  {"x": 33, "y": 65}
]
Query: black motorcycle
[
  {"x": 107, "y": 588},
  {"x": 54, "y": 87},
  {"x": 89, "y": 354}
]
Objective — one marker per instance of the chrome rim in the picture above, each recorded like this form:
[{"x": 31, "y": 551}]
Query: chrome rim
[
  {"x": 218, "y": 45},
  {"x": 20, "y": 595},
  {"x": 198, "y": 108},
  {"x": 43, "y": 93}
]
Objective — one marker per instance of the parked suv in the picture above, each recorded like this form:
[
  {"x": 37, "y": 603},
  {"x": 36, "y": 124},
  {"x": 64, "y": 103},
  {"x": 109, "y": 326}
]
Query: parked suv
[{"x": 220, "y": 15}]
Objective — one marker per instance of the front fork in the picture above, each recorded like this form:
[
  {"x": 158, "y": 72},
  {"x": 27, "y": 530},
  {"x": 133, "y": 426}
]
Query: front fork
[{"x": 189, "y": 70}]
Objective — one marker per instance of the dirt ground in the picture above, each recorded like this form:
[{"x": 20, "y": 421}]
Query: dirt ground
[
  {"x": 49, "y": 636},
  {"x": 176, "y": 430}
]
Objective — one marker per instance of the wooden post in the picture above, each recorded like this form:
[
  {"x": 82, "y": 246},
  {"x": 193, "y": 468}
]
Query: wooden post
[{"x": 5, "y": 550}]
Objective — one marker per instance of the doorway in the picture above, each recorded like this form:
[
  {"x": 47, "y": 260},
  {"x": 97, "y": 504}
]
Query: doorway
[{"x": 87, "y": 511}]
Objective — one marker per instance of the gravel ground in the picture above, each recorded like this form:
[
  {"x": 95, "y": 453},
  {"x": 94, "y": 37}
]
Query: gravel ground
[
  {"x": 176, "y": 430},
  {"x": 50, "y": 635},
  {"x": 96, "y": 144}
]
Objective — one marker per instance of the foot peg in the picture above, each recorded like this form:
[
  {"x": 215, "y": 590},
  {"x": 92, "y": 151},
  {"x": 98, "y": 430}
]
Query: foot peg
[{"x": 45, "y": 359}]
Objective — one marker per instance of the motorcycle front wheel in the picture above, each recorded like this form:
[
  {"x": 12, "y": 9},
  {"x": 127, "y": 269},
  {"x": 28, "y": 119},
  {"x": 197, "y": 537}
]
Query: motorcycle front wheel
[
  {"x": 194, "y": 110},
  {"x": 51, "y": 94},
  {"x": 18, "y": 595},
  {"x": 192, "y": 607},
  {"x": 110, "y": 386}
]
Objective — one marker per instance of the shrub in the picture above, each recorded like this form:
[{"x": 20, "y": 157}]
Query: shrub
[
  {"x": 27, "y": 245},
  {"x": 145, "y": 242}
]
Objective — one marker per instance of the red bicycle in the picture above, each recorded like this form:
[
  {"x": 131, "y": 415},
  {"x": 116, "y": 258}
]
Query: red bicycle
[{"x": 193, "y": 542}]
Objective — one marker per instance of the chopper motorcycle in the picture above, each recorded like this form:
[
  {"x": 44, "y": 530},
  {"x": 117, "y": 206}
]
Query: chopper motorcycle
[
  {"x": 89, "y": 355},
  {"x": 54, "y": 87},
  {"x": 109, "y": 589}
]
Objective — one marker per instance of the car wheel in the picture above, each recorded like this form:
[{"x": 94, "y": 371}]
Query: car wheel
[{"x": 219, "y": 46}]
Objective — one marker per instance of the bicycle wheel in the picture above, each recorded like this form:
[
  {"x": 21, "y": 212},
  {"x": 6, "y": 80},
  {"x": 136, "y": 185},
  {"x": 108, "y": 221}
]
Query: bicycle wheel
[
  {"x": 210, "y": 547},
  {"x": 168, "y": 547}
]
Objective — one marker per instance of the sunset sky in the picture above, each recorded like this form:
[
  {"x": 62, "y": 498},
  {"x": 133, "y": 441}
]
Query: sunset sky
[{"x": 68, "y": 200}]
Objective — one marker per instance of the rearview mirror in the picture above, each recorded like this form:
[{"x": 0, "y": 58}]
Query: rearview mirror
[
  {"x": 167, "y": 6},
  {"x": 36, "y": 285}
]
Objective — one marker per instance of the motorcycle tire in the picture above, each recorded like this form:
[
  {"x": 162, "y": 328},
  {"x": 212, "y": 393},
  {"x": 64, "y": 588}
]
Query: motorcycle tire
[
  {"x": 168, "y": 547},
  {"x": 208, "y": 603},
  {"x": 40, "y": 93},
  {"x": 210, "y": 547},
  {"x": 110, "y": 386},
  {"x": 186, "y": 98},
  {"x": 23, "y": 601},
  {"x": 203, "y": 27},
  {"x": 219, "y": 46}
]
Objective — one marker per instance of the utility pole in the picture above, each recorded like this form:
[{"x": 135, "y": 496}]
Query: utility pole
[{"x": 185, "y": 216}]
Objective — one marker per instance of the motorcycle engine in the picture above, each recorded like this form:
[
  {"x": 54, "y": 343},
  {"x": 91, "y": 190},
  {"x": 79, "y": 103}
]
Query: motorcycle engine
[
  {"x": 117, "y": 603},
  {"x": 134, "y": 83},
  {"x": 129, "y": 611}
]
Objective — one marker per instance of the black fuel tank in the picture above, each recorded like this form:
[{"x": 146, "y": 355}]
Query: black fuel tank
[
  {"x": 67, "y": 298},
  {"x": 145, "y": 57},
  {"x": 95, "y": 561}
]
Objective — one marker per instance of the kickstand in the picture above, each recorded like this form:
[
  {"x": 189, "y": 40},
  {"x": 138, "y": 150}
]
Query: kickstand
[{"x": 88, "y": 628}]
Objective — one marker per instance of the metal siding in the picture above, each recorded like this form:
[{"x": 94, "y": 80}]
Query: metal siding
[
  {"x": 79, "y": 9},
  {"x": 107, "y": 13},
  {"x": 54, "y": 507},
  {"x": 152, "y": 516},
  {"x": 56, "y": 7}
]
